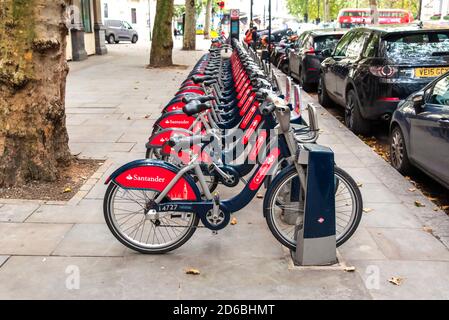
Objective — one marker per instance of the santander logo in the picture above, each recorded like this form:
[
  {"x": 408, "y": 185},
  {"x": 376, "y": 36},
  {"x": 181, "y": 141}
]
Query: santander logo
[
  {"x": 177, "y": 122},
  {"x": 136, "y": 177}
]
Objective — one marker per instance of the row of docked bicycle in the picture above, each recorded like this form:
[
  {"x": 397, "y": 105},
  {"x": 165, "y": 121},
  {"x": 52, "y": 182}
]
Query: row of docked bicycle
[{"x": 227, "y": 127}]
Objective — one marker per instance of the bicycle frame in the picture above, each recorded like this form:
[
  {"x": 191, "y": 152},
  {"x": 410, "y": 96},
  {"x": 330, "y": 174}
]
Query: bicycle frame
[{"x": 284, "y": 150}]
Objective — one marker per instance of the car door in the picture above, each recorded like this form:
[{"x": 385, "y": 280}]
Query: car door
[
  {"x": 429, "y": 132},
  {"x": 115, "y": 27},
  {"x": 294, "y": 57},
  {"x": 328, "y": 66},
  {"x": 125, "y": 31},
  {"x": 342, "y": 67}
]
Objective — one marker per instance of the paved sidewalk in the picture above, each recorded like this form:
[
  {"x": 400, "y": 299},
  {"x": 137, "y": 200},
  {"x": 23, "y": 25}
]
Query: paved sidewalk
[{"x": 112, "y": 102}]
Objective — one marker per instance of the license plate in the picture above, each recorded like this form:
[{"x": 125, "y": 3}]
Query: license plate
[{"x": 430, "y": 72}]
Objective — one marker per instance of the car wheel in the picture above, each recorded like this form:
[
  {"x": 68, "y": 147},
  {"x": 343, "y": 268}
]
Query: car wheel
[
  {"x": 353, "y": 118},
  {"x": 398, "y": 151},
  {"x": 323, "y": 97},
  {"x": 285, "y": 68},
  {"x": 302, "y": 81},
  {"x": 134, "y": 40},
  {"x": 111, "y": 39}
]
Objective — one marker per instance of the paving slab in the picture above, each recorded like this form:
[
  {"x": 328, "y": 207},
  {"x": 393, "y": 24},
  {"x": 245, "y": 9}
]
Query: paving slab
[
  {"x": 31, "y": 238},
  {"x": 87, "y": 211},
  {"x": 361, "y": 246},
  {"x": 17, "y": 212},
  {"x": 3, "y": 260},
  {"x": 156, "y": 277},
  {"x": 85, "y": 240},
  {"x": 409, "y": 244},
  {"x": 389, "y": 215},
  {"x": 421, "y": 280},
  {"x": 379, "y": 193},
  {"x": 242, "y": 279},
  {"x": 45, "y": 278}
]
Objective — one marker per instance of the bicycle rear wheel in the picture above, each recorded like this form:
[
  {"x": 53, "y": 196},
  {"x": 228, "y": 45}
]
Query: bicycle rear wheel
[
  {"x": 126, "y": 214},
  {"x": 282, "y": 213}
]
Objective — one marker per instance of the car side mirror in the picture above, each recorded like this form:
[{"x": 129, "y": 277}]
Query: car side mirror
[{"x": 418, "y": 100}]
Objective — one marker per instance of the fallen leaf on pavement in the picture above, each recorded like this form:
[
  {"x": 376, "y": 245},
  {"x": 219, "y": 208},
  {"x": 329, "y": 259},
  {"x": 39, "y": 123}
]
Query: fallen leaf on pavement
[
  {"x": 395, "y": 280},
  {"x": 194, "y": 272},
  {"x": 428, "y": 229},
  {"x": 419, "y": 204},
  {"x": 129, "y": 118},
  {"x": 412, "y": 189},
  {"x": 359, "y": 185},
  {"x": 349, "y": 269},
  {"x": 367, "y": 210},
  {"x": 445, "y": 207},
  {"x": 67, "y": 190},
  {"x": 234, "y": 221},
  {"x": 259, "y": 195}
]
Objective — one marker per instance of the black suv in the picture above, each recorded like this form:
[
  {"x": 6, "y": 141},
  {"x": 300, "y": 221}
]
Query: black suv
[
  {"x": 373, "y": 68},
  {"x": 305, "y": 59}
]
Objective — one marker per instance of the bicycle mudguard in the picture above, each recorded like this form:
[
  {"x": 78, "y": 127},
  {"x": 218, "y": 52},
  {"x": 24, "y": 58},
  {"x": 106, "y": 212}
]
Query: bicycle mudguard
[
  {"x": 175, "y": 106},
  {"x": 191, "y": 90},
  {"x": 155, "y": 176},
  {"x": 176, "y": 119}
]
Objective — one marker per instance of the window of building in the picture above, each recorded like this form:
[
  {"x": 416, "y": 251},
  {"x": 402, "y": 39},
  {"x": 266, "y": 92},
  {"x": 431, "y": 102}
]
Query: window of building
[
  {"x": 106, "y": 11},
  {"x": 133, "y": 15},
  {"x": 86, "y": 17}
]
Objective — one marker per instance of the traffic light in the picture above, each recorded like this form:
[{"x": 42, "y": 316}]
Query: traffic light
[{"x": 221, "y": 4}]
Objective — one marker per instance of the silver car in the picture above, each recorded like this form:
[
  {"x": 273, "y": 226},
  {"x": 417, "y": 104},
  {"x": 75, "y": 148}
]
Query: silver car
[{"x": 118, "y": 30}]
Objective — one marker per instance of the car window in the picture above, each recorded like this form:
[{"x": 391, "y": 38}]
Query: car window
[
  {"x": 356, "y": 45},
  {"x": 115, "y": 23},
  {"x": 372, "y": 46},
  {"x": 417, "y": 45},
  {"x": 326, "y": 42},
  {"x": 300, "y": 40},
  {"x": 440, "y": 92},
  {"x": 340, "y": 49},
  {"x": 126, "y": 25},
  {"x": 308, "y": 43}
]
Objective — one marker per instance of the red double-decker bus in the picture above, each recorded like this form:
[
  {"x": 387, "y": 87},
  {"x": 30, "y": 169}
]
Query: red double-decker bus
[{"x": 348, "y": 18}]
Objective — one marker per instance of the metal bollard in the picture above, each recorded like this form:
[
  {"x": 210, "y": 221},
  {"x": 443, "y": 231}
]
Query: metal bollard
[{"x": 315, "y": 231}]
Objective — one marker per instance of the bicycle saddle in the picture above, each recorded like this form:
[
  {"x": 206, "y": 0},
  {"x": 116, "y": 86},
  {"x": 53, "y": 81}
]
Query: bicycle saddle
[{"x": 195, "y": 107}]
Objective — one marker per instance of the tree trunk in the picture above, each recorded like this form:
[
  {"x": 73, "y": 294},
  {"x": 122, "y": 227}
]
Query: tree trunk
[
  {"x": 162, "y": 44},
  {"x": 374, "y": 11},
  {"x": 190, "y": 26},
  {"x": 33, "y": 71},
  {"x": 208, "y": 19},
  {"x": 327, "y": 9}
]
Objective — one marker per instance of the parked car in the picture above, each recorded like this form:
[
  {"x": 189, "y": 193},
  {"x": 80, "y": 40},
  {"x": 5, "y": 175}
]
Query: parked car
[
  {"x": 373, "y": 68},
  {"x": 118, "y": 30},
  {"x": 419, "y": 134},
  {"x": 305, "y": 57}
]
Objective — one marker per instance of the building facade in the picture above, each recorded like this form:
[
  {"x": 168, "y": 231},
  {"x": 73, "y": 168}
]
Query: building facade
[
  {"x": 138, "y": 13},
  {"x": 86, "y": 30}
]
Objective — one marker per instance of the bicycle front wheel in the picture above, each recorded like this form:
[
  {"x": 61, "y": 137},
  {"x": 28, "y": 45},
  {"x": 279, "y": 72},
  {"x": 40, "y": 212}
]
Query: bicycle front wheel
[
  {"x": 282, "y": 209},
  {"x": 126, "y": 214}
]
